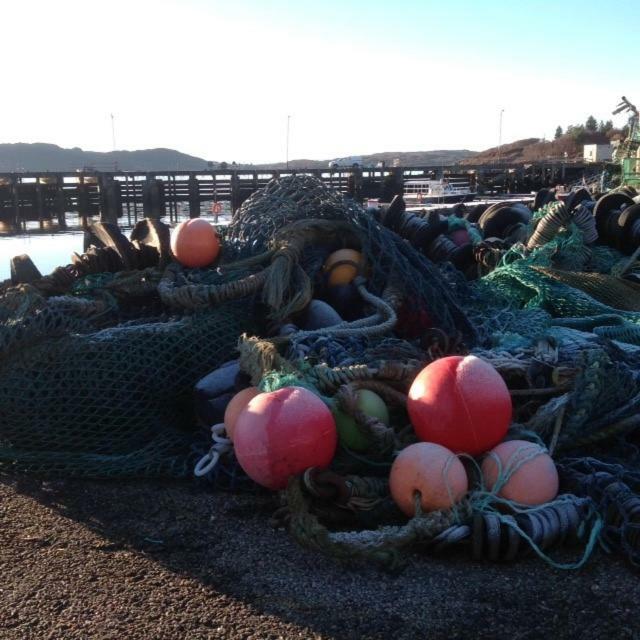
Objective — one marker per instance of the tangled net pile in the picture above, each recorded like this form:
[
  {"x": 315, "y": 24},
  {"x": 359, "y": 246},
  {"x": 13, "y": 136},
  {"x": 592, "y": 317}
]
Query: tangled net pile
[{"x": 98, "y": 367}]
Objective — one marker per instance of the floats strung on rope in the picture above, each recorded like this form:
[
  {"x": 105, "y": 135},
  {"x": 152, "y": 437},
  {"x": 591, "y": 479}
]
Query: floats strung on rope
[
  {"x": 522, "y": 472},
  {"x": 430, "y": 470},
  {"x": 372, "y": 405},
  {"x": 235, "y": 408},
  {"x": 282, "y": 433},
  {"x": 343, "y": 266},
  {"x": 195, "y": 243},
  {"x": 461, "y": 403}
]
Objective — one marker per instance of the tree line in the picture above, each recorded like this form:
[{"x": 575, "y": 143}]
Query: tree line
[{"x": 580, "y": 131}]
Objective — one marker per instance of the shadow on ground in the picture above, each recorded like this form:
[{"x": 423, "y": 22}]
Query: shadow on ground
[{"x": 165, "y": 545}]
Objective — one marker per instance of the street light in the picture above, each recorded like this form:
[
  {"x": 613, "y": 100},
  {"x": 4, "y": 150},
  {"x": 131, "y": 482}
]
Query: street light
[
  {"x": 113, "y": 132},
  {"x": 500, "y": 138},
  {"x": 288, "y": 119}
]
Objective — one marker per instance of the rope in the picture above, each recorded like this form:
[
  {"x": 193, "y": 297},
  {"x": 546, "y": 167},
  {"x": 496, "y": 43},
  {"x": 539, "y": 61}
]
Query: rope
[{"x": 381, "y": 546}]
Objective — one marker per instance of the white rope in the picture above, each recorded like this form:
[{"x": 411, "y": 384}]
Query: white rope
[{"x": 220, "y": 446}]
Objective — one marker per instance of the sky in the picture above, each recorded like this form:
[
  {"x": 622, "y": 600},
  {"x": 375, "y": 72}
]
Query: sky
[{"x": 220, "y": 79}]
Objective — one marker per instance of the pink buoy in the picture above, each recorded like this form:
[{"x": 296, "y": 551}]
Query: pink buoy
[
  {"x": 460, "y": 402},
  {"x": 524, "y": 471},
  {"x": 433, "y": 471},
  {"x": 282, "y": 433},
  {"x": 460, "y": 237}
]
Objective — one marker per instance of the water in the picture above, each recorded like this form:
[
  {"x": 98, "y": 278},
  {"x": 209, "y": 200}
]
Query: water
[
  {"x": 51, "y": 250},
  {"x": 47, "y": 251}
]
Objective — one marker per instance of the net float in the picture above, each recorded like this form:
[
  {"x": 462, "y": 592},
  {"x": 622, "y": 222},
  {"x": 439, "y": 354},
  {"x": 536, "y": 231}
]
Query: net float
[
  {"x": 461, "y": 403},
  {"x": 369, "y": 403},
  {"x": 432, "y": 471},
  {"x": 236, "y": 406},
  {"x": 282, "y": 433},
  {"x": 343, "y": 266},
  {"x": 195, "y": 243},
  {"x": 521, "y": 471}
]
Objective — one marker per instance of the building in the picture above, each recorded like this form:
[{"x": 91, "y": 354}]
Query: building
[{"x": 597, "y": 152}]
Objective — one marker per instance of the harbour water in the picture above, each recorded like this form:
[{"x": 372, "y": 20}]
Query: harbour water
[
  {"x": 51, "y": 250},
  {"x": 47, "y": 251}
]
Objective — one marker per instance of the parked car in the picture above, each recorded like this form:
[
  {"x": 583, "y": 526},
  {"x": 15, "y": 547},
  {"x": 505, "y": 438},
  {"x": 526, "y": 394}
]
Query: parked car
[{"x": 349, "y": 161}]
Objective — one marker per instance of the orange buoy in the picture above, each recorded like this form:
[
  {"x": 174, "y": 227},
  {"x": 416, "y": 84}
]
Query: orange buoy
[
  {"x": 235, "y": 407},
  {"x": 282, "y": 433},
  {"x": 524, "y": 472},
  {"x": 461, "y": 403},
  {"x": 342, "y": 266},
  {"x": 433, "y": 471},
  {"x": 195, "y": 243}
]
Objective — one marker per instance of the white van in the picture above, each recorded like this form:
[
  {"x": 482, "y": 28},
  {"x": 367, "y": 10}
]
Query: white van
[{"x": 349, "y": 161}]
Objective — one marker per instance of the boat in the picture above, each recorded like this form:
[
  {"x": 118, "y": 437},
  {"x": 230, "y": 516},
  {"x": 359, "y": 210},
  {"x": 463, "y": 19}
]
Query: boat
[{"x": 425, "y": 191}]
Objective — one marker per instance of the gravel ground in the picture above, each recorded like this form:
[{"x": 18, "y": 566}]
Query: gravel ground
[{"x": 163, "y": 560}]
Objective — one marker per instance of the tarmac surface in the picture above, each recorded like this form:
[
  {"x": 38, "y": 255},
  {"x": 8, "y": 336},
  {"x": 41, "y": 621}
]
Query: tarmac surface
[{"x": 153, "y": 560}]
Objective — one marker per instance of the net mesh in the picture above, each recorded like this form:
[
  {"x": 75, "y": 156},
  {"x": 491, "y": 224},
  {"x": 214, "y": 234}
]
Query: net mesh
[
  {"x": 97, "y": 372},
  {"x": 112, "y": 402}
]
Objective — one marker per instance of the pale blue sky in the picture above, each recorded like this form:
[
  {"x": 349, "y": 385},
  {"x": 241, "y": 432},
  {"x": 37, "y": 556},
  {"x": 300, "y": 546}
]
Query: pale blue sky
[{"x": 218, "y": 79}]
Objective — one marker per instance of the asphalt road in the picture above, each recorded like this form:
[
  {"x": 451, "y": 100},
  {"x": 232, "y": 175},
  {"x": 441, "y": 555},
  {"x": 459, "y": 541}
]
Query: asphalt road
[{"x": 145, "y": 560}]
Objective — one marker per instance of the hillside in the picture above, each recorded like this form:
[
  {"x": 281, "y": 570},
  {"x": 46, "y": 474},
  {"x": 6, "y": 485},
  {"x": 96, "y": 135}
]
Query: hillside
[
  {"x": 441, "y": 157},
  {"x": 535, "y": 149},
  {"x": 50, "y": 157}
]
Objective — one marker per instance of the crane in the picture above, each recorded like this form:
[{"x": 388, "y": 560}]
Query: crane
[{"x": 628, "y": 152}]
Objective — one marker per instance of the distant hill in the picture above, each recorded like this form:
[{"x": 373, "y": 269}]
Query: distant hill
[
  {"x": 50, "y": 157},
  {"x": 536, "y": 150},
  {"x": 442, "y": 157}
]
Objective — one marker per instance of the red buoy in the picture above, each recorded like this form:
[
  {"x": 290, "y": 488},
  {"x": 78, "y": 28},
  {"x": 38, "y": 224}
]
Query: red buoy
[
  {"x": 194, "y": 243},
  {"x": 282, "y": 433},
  {"x": 461, "y": 403}
]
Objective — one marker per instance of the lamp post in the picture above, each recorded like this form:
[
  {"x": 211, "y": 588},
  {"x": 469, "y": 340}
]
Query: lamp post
[
  {"x": 113, "y": 132},
  {"x": 500, "y": 138},
  {"x": 288, "y": 120}
]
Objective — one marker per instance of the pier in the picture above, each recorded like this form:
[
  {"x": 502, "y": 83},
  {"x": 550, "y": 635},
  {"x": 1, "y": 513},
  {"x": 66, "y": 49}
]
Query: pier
[{"x": 49, "y": 198}]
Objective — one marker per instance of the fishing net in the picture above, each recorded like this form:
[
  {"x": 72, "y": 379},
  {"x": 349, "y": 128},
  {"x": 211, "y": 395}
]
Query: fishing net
[
  {"x": 97, "y": 369},
  {"x": 76, "y": 401}
]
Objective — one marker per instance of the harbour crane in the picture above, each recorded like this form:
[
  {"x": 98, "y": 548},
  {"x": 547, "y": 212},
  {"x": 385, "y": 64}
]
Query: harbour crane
[{"x": 628, "y": 152}]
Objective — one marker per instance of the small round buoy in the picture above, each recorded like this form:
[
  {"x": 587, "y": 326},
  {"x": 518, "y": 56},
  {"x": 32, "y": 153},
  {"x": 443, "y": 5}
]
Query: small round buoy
[
  {"x": 281, "y": 433},
  {"x": 235, "y": 407},
  {"x": 372, "y": 405},
  {"x": 460, "y": 237},
  {"x": 343, "y": 266},
  {"x": 195, "y": 243},
  {"x": 524, "y": 472},
  {"x": 433, "y": 471},
  {"x": 461, "y": 403}
]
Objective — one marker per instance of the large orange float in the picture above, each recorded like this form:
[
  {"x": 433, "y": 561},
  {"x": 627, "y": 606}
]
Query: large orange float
[
  {"x": 521, "y": 471},
  {"x": 431, "y": 471},
  {"x": 195, "y": 243}
]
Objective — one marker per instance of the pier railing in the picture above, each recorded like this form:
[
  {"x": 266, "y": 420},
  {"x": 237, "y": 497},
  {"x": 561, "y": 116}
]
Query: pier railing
[{"x": 49, "y": 197}]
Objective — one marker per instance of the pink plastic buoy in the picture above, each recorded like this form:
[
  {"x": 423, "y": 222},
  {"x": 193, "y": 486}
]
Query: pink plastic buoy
[
  {"x": 529, "y": 474},
  {"x": 430, "y": 469},
  {"x": 461, "y": 403},
  {"x": 460, "y": 237},
  {"x": 282, "y": 433}
]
